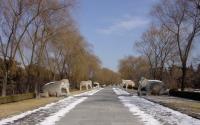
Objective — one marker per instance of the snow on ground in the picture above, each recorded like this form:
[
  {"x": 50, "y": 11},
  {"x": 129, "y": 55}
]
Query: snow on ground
[
  {"x": 50, "y": 112},
  {"x": 149, "y": 111},
  {"x": 120, "y": 92},
  {"x": 89, "y": 92},
  {"x": 16, "y": 117},
  {"x": 146, "y": 118},
  {"x": 57, "y": 116}
]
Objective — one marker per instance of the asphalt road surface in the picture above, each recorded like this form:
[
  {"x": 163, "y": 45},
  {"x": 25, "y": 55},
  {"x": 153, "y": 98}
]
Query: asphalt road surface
[
  {"x": 108, "y": 106},
  {"x": 102, "y": 108}
]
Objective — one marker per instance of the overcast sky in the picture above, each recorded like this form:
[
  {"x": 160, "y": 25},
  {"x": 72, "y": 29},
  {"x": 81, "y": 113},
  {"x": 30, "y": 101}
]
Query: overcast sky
[{"x": 112, "y": 26}]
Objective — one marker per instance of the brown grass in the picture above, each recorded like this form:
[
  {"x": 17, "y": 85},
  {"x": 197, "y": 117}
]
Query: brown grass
[
  {"x": 15, "y": 108},
  {"x": 189, "y": 107},
  {"x": 22, "y": 106}
]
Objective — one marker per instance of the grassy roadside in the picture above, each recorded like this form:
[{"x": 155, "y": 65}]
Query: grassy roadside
[
  {"x": 186, "y": 106},
  {"x": 189, "y": 107},
  {"x": 15, "y": 108}
]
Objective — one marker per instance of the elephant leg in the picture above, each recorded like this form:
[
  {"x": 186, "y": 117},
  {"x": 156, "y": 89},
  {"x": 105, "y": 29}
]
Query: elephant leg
[
  {"x": 68, "y": 91},
  {"x": 80, "y": 88}
]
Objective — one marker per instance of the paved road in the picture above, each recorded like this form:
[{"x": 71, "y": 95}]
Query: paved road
[
  {"x": 110, "y": 106},
  {"x": 102, "y": 108}
]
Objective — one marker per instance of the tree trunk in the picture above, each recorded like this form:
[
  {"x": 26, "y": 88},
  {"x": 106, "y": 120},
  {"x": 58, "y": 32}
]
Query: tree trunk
[
  {"x": 36, "y": 90},
  {"x": 4, "y": 87},
  {"x": 183, "y": 77},
  {"x": 154, "y": 73},
  {"x": 28, "y": 88},
  {"x": 54, "y": 76},
  {"x": 61, "y": 75},
  {"x": 37, "y": 85},
  {"x": 28, "y": 84},
  {"x": 161, "y": 72}
]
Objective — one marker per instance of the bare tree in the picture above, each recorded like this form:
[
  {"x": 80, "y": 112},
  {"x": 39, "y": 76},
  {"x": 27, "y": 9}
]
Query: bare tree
[
  {"x": 14, "y": 24},
  {"x": 21, "y": 19},
  {"x": 39, "y": 42},
  {"x": 182, "y": 18},
  {"x": 158, "y": 46},
  {"x": 134, "y": 68},
  {"x": 108, "y": 77}
]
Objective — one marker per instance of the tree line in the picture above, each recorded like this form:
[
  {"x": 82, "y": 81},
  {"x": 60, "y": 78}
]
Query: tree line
[
  {"x": 40, "y": 42},
  {"x": 166, "y": 46}
]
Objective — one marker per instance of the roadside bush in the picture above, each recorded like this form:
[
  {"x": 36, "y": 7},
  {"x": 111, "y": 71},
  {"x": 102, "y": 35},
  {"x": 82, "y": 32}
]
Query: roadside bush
[
  {"x": 188, "y": 95},
  {"x": 15, "y": 98}
]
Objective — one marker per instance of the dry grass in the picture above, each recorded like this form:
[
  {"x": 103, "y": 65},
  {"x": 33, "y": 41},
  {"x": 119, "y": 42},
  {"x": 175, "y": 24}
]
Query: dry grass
[
  {"x": 193, "y": 107},
  {"x": 186, "y": 106},
  {"x": 22, "y": 106},
  {"x": 14, "y": 108}
]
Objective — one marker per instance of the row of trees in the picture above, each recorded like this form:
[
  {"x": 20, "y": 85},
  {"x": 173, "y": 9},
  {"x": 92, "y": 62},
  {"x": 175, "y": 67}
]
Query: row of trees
[
  {"x": 133, "y": 68},
  {"x": 39, "y": 42},
  {"x": 167, "y": 44},
  {"x": 136, "y": 67},
  {"x": 107, "y": 77}
]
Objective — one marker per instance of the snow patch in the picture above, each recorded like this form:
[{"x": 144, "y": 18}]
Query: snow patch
[
  {"x": 152, "y": 113},
  {"x": 58, "y": 115},
  {"x": 146, "y": 118},
  {"x": 92, "y": 92},
  {"x": 120, "y": 92},
  {"x": 51, "y": 120},
  {"x": 16, "y": 117},
  {"x": 168, "y": 115},
  {"x": 12, "y": 119}
]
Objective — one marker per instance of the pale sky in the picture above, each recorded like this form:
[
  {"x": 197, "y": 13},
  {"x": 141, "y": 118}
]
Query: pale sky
[{"x": 112, "y": 26}]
